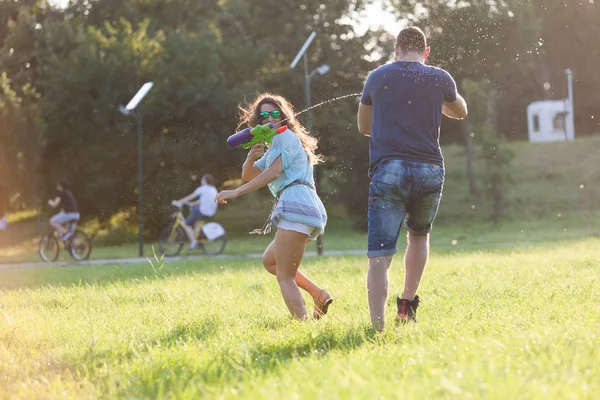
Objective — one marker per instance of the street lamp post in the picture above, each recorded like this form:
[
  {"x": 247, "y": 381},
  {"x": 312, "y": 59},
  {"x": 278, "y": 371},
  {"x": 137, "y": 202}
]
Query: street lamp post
[
  {"x": 128, "y": 110},
  {"x": 570, "y": 120},
  {"x": 322, "y": 70},
  {"x": 140, "y": 185}
]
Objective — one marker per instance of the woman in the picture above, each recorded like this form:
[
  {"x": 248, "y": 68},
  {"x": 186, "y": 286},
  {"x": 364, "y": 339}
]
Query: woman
[{"x": 299, "y": 215}]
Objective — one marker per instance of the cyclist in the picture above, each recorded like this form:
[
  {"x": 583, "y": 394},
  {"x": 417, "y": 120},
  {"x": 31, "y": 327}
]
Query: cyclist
[
  {"x": 202, "y": 209},
  {"x": 68, "y": 213}
]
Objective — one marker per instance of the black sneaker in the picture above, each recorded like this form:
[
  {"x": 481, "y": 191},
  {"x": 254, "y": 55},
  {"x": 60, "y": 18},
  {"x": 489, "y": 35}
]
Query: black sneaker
[{"x": 407, "y": 310}]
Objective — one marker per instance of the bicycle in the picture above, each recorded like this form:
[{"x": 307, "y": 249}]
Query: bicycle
[
  {"x": 211, "y": 236},
  {"x": 78, "y": 244}
]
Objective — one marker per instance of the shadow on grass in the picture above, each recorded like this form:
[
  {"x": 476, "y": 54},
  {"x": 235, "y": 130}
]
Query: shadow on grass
[
  {"x": 176, "y": 359},
  {"x": 228, "y": 365}
]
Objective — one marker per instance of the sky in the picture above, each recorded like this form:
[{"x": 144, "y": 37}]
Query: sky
[{"x": 374, "y": 17}]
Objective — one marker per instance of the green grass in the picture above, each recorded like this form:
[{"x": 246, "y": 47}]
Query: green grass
[
  {"x": 509, "y": 311},
  {"x": 462, "y": 235},
  {"x": 519, "y": 322},
  {"x": 547, "y": 179}
]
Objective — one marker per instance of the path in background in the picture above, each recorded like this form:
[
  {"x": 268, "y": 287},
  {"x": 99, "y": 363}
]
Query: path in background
[
  {"x": 137, "y": 260},
  {"x": 346, "y": 252}
]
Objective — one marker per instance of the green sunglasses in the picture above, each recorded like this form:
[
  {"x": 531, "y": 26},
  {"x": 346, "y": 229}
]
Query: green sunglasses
[{"x": 275, "y": 114}]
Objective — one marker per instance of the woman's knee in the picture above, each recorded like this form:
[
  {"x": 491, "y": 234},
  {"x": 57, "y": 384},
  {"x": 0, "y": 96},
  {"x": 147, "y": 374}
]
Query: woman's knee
[
  {"x": 269, "y": 262},
  {"x": 284, "y": 277}
]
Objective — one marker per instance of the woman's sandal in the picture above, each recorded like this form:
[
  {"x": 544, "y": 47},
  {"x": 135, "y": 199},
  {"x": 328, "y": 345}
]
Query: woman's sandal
[{"x": 321, "y": 306}]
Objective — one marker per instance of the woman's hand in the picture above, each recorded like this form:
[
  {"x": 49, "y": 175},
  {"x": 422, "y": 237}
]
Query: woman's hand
[
  {"x": 225, "y": 195},
  {"x": 255, "y": 153}
]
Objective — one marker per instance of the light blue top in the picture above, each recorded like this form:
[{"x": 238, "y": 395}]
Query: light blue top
[{"x": 297, "y": 203}]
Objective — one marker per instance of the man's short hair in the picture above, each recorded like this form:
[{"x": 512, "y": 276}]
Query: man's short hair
[
  {"x": 209, "y": 179},
  {"x": 411, "y": 40}
]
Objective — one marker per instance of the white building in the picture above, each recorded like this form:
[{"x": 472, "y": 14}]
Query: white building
[{"x": 552, "y": 120}]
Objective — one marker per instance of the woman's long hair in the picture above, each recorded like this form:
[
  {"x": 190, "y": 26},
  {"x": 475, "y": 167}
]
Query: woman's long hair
[{"x": 250, "y": 117}]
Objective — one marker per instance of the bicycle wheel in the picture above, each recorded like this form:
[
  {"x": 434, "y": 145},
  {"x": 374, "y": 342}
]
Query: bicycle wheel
[
  {"x": 79, "y": 245},
  {"x": 171, "y": 240},
  {"x": 49, "y": 247},
  {"x": 213, "y": 247}
]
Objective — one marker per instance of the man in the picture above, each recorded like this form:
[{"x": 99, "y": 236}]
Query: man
[
  {"x": 204, "y": 208},
  {"x": 401, "y": 109},
  {"x": 68, "y": 213}
]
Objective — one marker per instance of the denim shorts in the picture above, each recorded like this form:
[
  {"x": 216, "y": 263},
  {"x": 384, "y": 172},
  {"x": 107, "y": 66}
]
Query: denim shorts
[
  {"x": 400, "y": 191},
  {"x": 194, "y": 216}
]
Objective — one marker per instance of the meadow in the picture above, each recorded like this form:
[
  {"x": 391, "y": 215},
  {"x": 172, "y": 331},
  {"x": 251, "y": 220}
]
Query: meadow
[
  {"x": 509, "y": 310},
  {"x": 514, "y": 322}
]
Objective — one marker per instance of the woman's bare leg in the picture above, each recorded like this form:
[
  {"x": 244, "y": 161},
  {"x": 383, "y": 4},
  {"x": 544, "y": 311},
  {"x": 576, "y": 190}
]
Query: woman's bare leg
[{"x": 320, "y": 296}]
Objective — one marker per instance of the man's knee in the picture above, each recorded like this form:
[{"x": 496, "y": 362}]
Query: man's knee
[
  {"x": 380, "y": 262},
  {"x": 417, "y": 236},
  {"x": 190, "y": 222}
]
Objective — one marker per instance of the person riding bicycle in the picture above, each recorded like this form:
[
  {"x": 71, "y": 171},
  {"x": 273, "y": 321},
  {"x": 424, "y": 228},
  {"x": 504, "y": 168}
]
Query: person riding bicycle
[
  {"x": 202, "y": 209},
  {"x": 68, "y": 213}
]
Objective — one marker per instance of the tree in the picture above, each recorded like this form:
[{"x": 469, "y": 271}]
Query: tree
[
  {"x": 497, "y": 157},
  {"x": 19, "y": 147}
]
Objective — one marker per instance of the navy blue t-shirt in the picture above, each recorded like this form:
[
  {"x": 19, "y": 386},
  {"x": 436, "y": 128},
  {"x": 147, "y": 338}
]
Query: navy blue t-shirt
[
  {"x": 67, "y": 201},
  {"x": 407, "y": 100}
]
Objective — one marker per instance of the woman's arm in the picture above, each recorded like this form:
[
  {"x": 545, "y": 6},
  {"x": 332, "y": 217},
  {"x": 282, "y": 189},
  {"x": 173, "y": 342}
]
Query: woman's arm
[
  {"x": 263, "y": 179},
  {"x": 249, "y": 170}
]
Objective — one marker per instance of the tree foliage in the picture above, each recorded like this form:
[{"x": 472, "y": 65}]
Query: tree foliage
[{"x": 65, "y": 71}]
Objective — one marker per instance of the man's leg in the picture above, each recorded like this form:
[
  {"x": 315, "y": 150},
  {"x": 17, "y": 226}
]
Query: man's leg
[
  {"x": 386, "y": 210},
  {"x": 422, "y": 210},
  {"x": 190, "y": 222},
  {"x": 377, "y": 289},
  {"x": 56, "y": 222},
  {"x": 191, "y": 234},
  {"x": 417, "y": 252}
]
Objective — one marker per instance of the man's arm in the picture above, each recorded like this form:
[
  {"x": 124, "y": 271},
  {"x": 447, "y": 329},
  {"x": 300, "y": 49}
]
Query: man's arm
[
  {"x": 364, "y": 119},
  {"x": 54, "y": 202},
  {"x": 187, "y": 198},
  {"x": 456, "y": 109}
]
